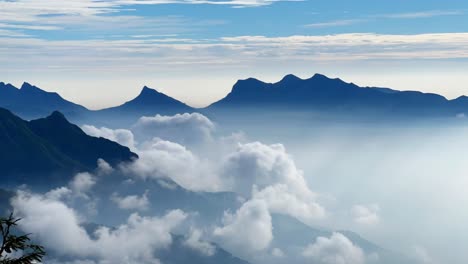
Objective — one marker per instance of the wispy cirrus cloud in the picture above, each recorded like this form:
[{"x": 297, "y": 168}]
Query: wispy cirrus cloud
[
  {"x": 97, "y": 17},
  {"x": 423, "y": 14},
  {"x": 30, "y": 10},
  {"x": 139, "y": 54},
  {"x": 334, "y": 23},
  {"x": 369, "y": 18}
]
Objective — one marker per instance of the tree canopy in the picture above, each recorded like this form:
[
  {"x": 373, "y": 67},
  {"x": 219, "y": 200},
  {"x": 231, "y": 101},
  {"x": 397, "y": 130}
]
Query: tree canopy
[{"x": 15, "y": 248}]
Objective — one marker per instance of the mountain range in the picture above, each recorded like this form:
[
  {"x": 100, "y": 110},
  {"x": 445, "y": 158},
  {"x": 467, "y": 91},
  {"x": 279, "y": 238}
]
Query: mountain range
[
  {"x": 323, "y": 94},
  {"x": 316, "y": 94},
  {"x": 44, "y": 148},
  {"x": 32, "y": 102}
]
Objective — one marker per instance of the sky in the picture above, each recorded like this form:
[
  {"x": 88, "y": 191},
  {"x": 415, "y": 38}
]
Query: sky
[{"x": 101, "y": 53}]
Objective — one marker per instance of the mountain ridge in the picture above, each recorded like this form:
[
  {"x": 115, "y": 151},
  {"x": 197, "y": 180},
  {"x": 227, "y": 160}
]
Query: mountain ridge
[
  {"x": 318, "y": 92},
  {"x": 44, "y": 145},
  {"x": 321, "y": 93}
]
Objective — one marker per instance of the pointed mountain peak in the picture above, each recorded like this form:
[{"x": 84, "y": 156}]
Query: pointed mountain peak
[
  {"x": 319, "y": 76},
  {"x": 462, "y": 97},
  {"x": 290, "y": 77},
  {"x": 7, "y": 85},
  {"x": 323, "y": 79},
  {"x": 29, "y": 87},
  {"x": 150, "y": 97},
  {"x": 248, "y": 82},
  {"x": 57, "y": 117},
  {"x": 148, "y": 91}
]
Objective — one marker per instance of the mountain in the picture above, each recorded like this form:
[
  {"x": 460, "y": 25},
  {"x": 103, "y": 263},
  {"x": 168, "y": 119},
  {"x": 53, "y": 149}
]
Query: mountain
[
  {"x": 292, "y": 236},
  {"x": 179, "y": 253},
  {"x": 148, "y": 103},
  {"x": 323, "y": 94},
  {"x": 315, "y": 96},
  {"x": 50, "y": 147},
  {"x": 31, "y": 102}
]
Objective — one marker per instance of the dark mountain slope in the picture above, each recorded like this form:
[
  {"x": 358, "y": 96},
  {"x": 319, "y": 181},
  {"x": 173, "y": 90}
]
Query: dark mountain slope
[
  {"x": 179, "y": 253},
  {"x": 148, "y": 103},
  {"x": 23, "y": 152},
  {"x": 320, "y": 93},
  {"x": 31, "y": 102},
  {"x": 46, "y": 147},
  {"x": 73, "y": 142}
]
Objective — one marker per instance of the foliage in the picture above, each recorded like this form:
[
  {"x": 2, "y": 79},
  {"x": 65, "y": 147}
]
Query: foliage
[{"x": 16, "y": 249}]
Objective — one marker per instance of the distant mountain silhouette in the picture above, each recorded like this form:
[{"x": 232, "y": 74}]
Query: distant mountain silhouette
[
  {"x": 290, "y": 234},
  {"x": 179, "y": 253},
  {"x": 320, "y": 93},
  {"x": 50, "y": 147},
  {"x": 316, "y": 94},
  {"x": 148, "y": 103},
  {"x": 31, "y": 102}
]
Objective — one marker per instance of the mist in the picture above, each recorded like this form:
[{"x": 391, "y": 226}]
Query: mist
[{"x": 362, "y": 192}]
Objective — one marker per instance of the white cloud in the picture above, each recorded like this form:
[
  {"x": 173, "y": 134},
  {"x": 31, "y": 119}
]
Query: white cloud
[
  {"x": 253, "y": 170},
  {"x": 82, "y": 183},
  {"x": 185, "y": 128},
  {"x": 227, "y": 52},
  {"x": 335, "y": 23},
  {"x": 268, "y": 173},
  {"x": 276, "y": 252},
  {"x": 248, "y": 230},
  {"x": 56, "y": 226},
  {"x": 366, "y": 215},
  {"x": 423, "y": 14},
  {"x": 58, "y": 193},
  {"x": 263, "y": 165},
  {"x": 132, "y": 202},
  {"x": 160, "y": 159},
  {"x": 422, "y": 255},
  {"x": 337, "y": 249},
  {"x": 103, "y": 167},
  {"x": 194, "y": 241},
  {"x": 411, "y": 15},
  {"x": 29, "y": 10},
  {"x": 122, "y": 136},
  {"x": 280, "y": 199}
]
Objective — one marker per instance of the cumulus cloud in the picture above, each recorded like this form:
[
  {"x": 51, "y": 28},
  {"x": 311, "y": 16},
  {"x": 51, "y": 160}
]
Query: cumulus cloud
[
  {"x": 366, "y": 215},
  {"x": 160, "y": 159},
  {"x": 58, "y": 193},
  {"x": 422, "y": 255},
  {"x": 185, "y": 128},
  {"x": 132, "y": 202},
  {"x": 122, "y": 136},
  {"x": 263, "y": 165},
  {"x": 56, "y": 225},
  {"x": 195, "y": 242},
  {"x": 58, "y": 228},
  {"x": 248, "y": 230},
  {"x": 280, "y": 199},
  {"x": 337, "y": 249},
  {"x": 82, "y": 183},
  {"x": 104, "y": 168},
  {"x": 268, "y": 173},
  {"x": 276, "y": 252}
]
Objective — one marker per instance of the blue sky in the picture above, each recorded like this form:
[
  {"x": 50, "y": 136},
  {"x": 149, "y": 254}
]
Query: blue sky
[{"x": 194, "y": 50}]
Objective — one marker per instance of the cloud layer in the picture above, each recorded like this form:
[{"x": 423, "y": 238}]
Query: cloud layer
[
  {"x": 58, "y": 227},
  {"x": 337, "y": 249}
]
